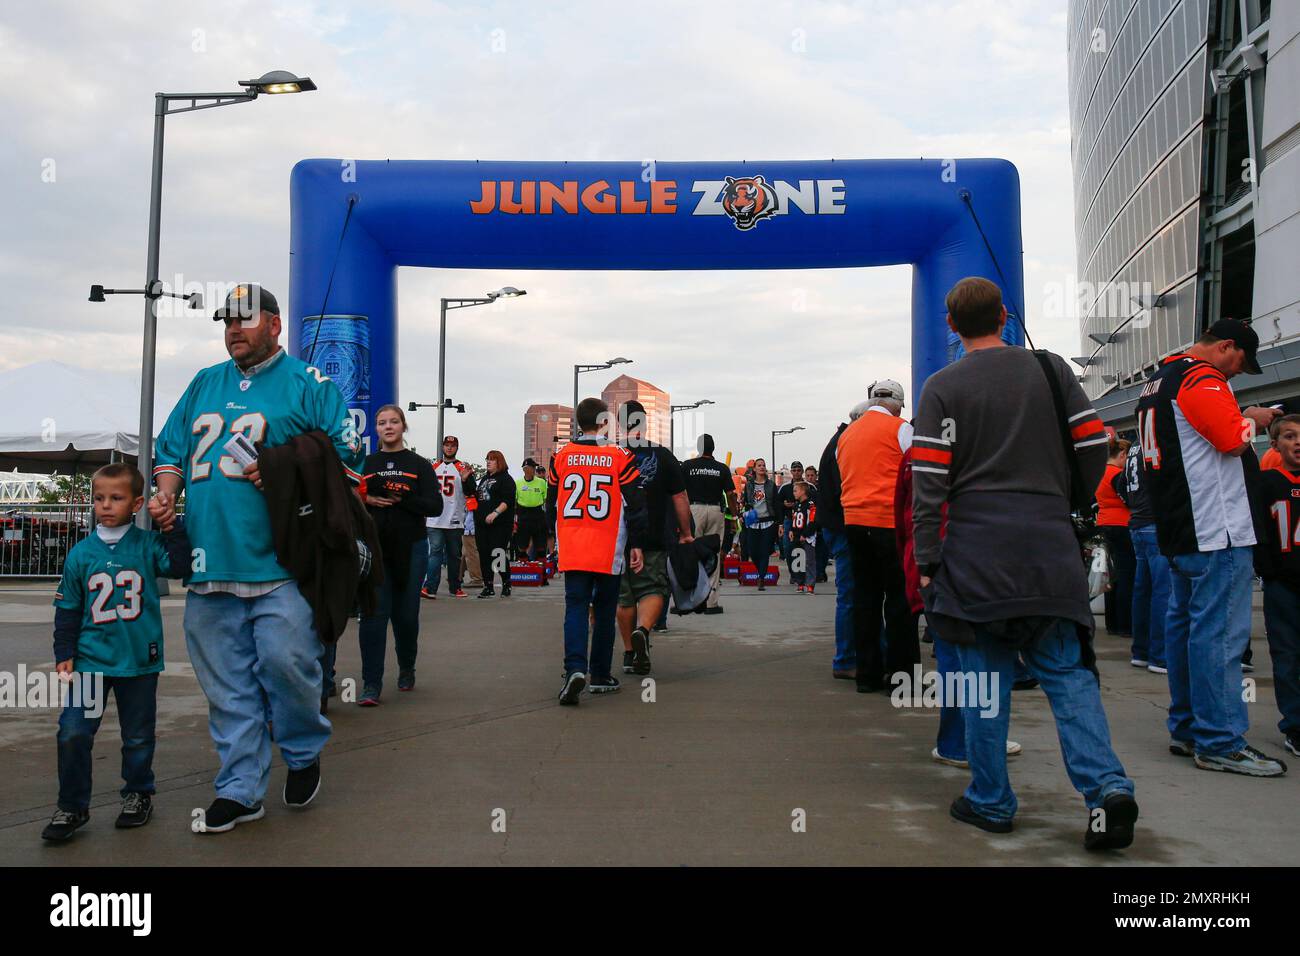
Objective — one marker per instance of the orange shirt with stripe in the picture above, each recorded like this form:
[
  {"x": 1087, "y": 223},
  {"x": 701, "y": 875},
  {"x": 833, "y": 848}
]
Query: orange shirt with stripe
[
  {"x": 869, "y": 456},
  {"x": 589, "y": 479},
  {"x": 1272, "y": 459},
  {"x": 1111, "y": 510}
]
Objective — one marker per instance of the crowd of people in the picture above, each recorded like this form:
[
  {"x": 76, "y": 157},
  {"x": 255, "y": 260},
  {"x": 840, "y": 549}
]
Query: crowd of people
[{"x": 969, "y": 515}]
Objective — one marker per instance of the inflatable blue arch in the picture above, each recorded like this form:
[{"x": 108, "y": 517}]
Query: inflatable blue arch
[{"x": 355, "y": 222}]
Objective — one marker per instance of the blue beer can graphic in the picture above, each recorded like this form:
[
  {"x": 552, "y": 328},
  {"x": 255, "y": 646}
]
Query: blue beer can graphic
[{"x": 342, "y": 352}]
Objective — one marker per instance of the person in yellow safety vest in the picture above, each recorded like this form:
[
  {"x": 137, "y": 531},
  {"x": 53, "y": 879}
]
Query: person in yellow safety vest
[{"x": 530, "y": 513}]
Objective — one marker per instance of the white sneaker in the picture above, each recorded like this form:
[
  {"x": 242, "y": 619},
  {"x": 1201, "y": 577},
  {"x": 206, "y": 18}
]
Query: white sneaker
[
  {"x": 1157, "y": 669},
  {"x": 1013, "y": 750},
  {"x": 1138, "y": 662}
]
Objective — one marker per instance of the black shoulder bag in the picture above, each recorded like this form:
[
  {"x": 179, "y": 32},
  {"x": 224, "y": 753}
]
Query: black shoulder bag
[{"x": 1081, "y": 498}]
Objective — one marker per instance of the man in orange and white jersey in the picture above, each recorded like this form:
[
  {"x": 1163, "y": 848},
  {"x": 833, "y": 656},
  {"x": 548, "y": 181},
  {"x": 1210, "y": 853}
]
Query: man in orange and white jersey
[{"x": 599, "y": 516}]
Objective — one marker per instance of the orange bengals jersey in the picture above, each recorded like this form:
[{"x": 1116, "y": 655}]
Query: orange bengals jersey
[{"x": 590, "y": 529}]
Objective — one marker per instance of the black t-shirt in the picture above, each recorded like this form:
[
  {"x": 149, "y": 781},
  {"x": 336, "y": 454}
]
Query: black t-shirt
[
  {"x": 661, "y": 478},
  {"x": 707, "y": 481}
]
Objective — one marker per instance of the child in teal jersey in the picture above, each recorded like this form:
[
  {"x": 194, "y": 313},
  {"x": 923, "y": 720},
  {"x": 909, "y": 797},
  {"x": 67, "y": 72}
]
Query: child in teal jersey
[{"x": 108, "y": 635}]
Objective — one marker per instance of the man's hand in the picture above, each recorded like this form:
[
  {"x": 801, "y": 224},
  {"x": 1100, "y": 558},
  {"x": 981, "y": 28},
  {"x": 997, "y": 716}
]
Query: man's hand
[
  {"x": 253, "y": 475},
  {"x": 64, "y": 670},
  {"x": 162, "y": 510},
  {"x": 463, "y": 469},
  {"x": 491, "y": 516},
  {"x": 925, "y": 582},
  {"x": 636, "y": 560},
  {"x": 685, "y": 538},
  {"x": 1262, "y": 417}
]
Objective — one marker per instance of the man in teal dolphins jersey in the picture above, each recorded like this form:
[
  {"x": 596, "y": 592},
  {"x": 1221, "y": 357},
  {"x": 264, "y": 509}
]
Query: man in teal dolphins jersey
[{"x": 248, "y": 629}]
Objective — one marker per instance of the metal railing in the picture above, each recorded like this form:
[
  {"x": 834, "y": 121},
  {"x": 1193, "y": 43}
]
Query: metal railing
[{"x": 35, "y": 539}]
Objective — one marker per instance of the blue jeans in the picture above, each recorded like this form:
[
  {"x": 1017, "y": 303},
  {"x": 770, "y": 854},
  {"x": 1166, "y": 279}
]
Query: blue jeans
[
  {"x": 1075, "y": 698},
  {"x": 257, "y": 660},
  {"x": 1207, "y": 630},
  {"x": 760, "y": 548},
  {"x": 837, "y": 544},
  {"x": 783, "y": 538},
  {"x": 444, "y": 548},
  {"x": 137, "y": 708},
  {"x": 584, "y": 590},
  {"x": 400, "y": 602},
  {"x": 1150, "y": 597},
  {"x": 1282, "y": 622},
  {"x": 951, "y": 741}
]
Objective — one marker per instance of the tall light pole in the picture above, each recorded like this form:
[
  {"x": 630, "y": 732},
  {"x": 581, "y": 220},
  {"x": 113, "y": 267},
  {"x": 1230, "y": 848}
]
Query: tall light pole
[
  {"x": 275, "y": 82},
  {"x": 673, "y": 410},
  {"x": 590, "y": 368},
  {"x": 771, "y": 467},
  {"x": 508, "y": 292}
]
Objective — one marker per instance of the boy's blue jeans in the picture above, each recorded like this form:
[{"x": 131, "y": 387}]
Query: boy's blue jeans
[
  {"x": 1075, "y": 698},
  {"x": 599, "y": 592},
  {"x": 1206, "y": 632},
  {"x": 258, "y": 660},
  {"x": 837, "y": 544},
  {"x": 1151, "y": 586},
  {"x": 1282, "y": 622},
  {"x": 137, "y": 709}
]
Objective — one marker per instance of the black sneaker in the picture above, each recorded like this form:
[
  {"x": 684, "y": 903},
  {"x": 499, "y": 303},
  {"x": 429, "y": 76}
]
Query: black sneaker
[
  {"x": 660, "y": 626},
  {"x": 1029, "y": 683},
  {"x": 640, "y": 651},
  {"x": 406, "y": 679},
  {"x": 603, "y": 685},
  {"x": 628, "y": 666},
  {"x": 1181, "y": 748},
  {"x": 572, "y": 689},
  {"x": 226, "y": 814},
  {"x": 63, "y": 824},
  {"x": 963, "y": 811},
  {"x": 1293, "y": 742},
  {"x": 1113, "y": 828},
  {"x": 137, "y": 808},
  {"x": 505, "y": 590},
  {"x": 716, "y": 609},
  {"x": 487, "y": 592},
  {"x": 301, "y": 786},
  {"x": 369, "y": 696}
]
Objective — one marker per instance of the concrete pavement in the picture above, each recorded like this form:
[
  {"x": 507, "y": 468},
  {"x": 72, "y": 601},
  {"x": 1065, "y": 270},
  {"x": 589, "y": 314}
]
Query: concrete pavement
[{"x": 746, "y": 730}]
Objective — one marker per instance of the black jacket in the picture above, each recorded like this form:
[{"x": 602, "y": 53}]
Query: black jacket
[
  {"x": 411, "y": 481},
  {"x": 316, "y": 521},
  {"x": 830, "y": 513}
]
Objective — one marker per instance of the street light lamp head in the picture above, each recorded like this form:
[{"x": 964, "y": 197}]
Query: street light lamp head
[
  {"x": 507, "y": 292},
  {"x": 194, "y": 300},
  {"x": 411, "y": 407},
  {"x": 705, "y": 401},
  {"x": 619, "y": 361},
  {"x": 279, "y": 81},
  {"x": 97, "y": 293}
]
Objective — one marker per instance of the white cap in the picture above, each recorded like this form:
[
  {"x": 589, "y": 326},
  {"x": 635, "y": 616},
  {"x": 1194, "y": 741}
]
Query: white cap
[{"x": 886, "y": 388}]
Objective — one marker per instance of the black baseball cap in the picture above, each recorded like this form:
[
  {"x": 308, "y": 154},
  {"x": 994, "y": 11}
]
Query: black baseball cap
[
  {"x": 245, "y": 301},
  {"x": 796, "y": 464},
  {"x": 529, "y": 463},
  {"x": 1240, "y": 334}
]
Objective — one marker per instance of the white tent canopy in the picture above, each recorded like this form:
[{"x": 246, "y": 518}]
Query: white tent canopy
[{"x": 53, "y": 416}]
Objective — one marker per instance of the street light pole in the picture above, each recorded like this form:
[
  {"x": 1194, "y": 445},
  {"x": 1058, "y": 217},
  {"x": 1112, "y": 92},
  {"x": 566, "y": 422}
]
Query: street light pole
[
  {"x": 771, "y": 466},
  {"x": 508, "y": 292},
  {"x": 674, "y": 409},
  {"x": 277, "y": 81},
  {"x": 589, "y": 368}
]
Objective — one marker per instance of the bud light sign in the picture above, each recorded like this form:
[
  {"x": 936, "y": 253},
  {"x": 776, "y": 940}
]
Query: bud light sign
[{"x": 341, "y": 350}]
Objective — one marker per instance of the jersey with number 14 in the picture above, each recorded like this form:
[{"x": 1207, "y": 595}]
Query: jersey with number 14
[
  {"x": 225, "y": 514},
  {"x": 590, "y": 529},
  {"x": 116, "y": 589}
]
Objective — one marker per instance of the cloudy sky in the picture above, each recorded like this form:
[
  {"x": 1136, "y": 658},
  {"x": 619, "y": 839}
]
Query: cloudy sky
[{"x": 415, "y": 79}]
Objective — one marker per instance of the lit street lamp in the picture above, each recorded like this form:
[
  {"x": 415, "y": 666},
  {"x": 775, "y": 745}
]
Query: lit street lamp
[
  {"x": 275, "y": 82},
  {"x": 590, "y": 368},
  {"x": 508, "y": 292}
]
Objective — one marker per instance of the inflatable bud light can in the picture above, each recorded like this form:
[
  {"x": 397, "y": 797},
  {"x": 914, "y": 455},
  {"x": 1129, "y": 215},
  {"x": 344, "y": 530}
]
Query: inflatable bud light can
[{"x": 342, "y": 352}]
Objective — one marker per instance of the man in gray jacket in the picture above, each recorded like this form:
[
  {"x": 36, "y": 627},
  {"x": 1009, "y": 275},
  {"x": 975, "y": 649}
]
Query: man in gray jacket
[{"x": 1007, "y": 576}]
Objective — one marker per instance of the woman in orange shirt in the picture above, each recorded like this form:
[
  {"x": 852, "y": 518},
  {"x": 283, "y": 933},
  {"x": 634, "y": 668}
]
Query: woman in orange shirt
[{"x": 1112, "y": 522}]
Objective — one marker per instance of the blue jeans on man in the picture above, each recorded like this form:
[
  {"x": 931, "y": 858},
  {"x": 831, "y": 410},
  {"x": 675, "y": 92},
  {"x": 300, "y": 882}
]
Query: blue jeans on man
[
  {"x": 595, "y": 594},
  {"x": 1075, "y": 697},
  {"x": 258, "y": 660},
  {"x": 1282, "y": 622},
  {"x": 1151, "y": 586},
  {"x": 399, "y": 601},
  {"x": 837, "y": 544},
  {"x": 951, "y": 740},
  {"x": 137, "y": 708},
  {"x": 444, "y": 548},
  {"x": 1207, "y": 629}
]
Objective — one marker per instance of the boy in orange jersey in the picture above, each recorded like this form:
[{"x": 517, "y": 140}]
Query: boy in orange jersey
[{"x": 599, "y": 514}]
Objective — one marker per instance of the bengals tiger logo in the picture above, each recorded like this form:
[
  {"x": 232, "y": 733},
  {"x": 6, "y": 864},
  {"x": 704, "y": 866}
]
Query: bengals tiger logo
[{"x": 748, "y": 200}]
